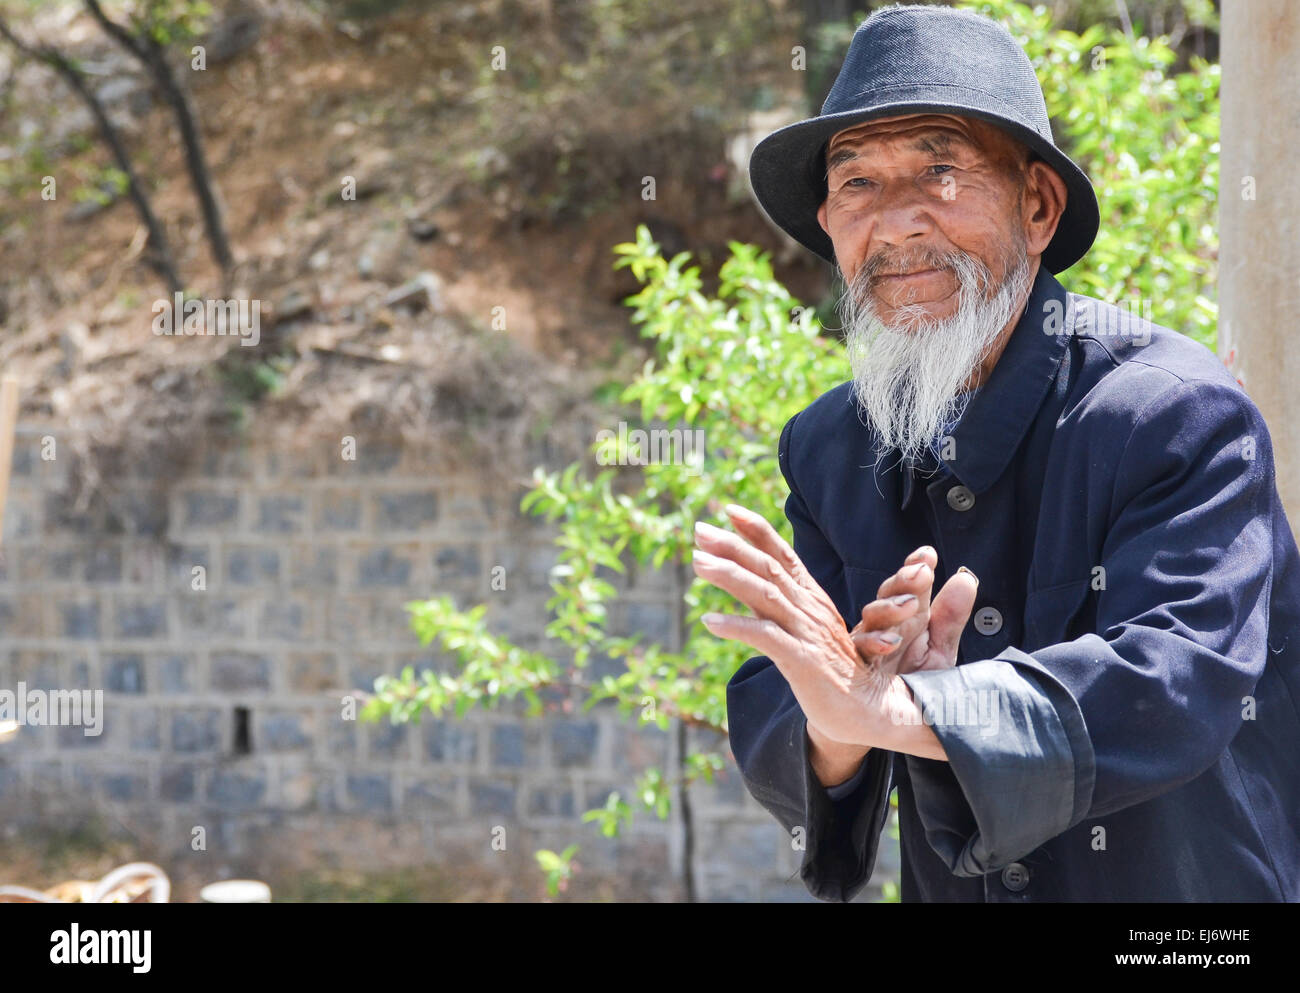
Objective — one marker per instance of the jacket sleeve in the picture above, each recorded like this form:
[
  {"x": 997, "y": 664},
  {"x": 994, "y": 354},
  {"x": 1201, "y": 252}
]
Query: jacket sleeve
[
  {"x": 769, "y": 739},
  {"x": 1091, "y": 726}
]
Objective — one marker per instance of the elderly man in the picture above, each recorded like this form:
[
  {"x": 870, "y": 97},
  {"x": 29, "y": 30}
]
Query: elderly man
[{"x": 1100, "y": 701}]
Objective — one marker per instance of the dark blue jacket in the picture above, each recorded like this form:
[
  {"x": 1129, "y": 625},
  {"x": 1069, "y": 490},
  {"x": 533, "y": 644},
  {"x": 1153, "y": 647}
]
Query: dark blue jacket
[{"x": 1123, "y": 722}]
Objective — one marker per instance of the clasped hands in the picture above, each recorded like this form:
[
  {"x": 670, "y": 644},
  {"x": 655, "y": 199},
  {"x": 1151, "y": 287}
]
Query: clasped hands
[{"x": 846, "y": 682}]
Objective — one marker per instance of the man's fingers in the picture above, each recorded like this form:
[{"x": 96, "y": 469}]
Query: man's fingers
[
  {"x": 916, "y": 578},
  {"x": 881, "y": 614},
  {"x": 766, "y": 599},
  {"x": 876, "y": 642},
  {"x": 951, "y": 610},
  {"x": 926, "y": 554},
  {"x": 724, "y": 544},
  {"x": 764, "y": 636},
  {"x": 755, "y": 528}
]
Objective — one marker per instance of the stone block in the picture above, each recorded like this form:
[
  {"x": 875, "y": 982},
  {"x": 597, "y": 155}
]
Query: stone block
[
  {"x": 283, "y": 731},
  {"x": 177, "y": 673},
  {"x": 144, "y": 513},
  {"x": 176, "y": 783},
  {"x": 251, "y": 565},
  {"x": 551, "y": 801},
  {"x": 210, "y": 509},
  {"x": 103, "y": 564},
  {"x": 450, "y": 740},
  {"x": 383, "y": 568},
  {"x": 210, "y": 616},
  {"x": 238, "y": 672},
  {"x": 79, "y": 619},
  {"x": 459, "y": 563},
  {"x": 281, "y": 514},
  {"x": 124, "y": 673},
  {"x": 141, "y": 618},
  {"x": 370, "y": 791},
  {"x": 143, "y": 730},
  {"x": 313, "y": 672},
  {"x": 492, "y": 798},
  {"x": 283, "y": 620},
  {"x": 410, "y": 510},
  {"x": 573, "y": 743},
  {"x": 195, "y": 731},
  {"x": 387, "y": 740},
  {"x": 238, "y": 789},
  {"x": 21, "y": 616},
  {"x": 314, "y": 568},
  {"x": 123, "y": 786},
  {"x": 337, "y": 511}
]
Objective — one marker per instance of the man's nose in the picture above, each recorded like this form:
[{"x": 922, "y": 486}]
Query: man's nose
[{"x": 902, "y": 217}]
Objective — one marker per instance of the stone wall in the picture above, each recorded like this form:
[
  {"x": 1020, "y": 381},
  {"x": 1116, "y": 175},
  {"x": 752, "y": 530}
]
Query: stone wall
[{"x": 225, "y": 613}]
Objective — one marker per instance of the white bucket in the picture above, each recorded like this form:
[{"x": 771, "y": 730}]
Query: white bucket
[{"x": 236, "y": 891}]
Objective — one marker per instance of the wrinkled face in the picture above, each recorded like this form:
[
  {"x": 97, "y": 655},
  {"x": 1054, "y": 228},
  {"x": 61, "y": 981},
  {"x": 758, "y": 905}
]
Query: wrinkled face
[
  {"x": 938, "y": 224},
  {"x": 904, "y": 191}
]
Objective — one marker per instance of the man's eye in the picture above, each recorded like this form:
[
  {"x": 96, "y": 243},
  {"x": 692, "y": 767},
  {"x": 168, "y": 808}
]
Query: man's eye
[
  {"x": 939, "y": 170},
  {"x": 857, "y": 181}
]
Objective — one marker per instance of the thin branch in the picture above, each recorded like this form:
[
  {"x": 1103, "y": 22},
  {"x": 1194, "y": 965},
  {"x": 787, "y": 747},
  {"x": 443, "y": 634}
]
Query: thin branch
[
  {"x": 1122, "y": 9},
  {"x": 119, "y": 34},
  {"x": 160, "y": 256},
  {"x": 151, "y": 55}
]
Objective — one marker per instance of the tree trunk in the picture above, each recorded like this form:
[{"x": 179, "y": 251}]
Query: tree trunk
[
  {"x": 688, "y": 819},
  {"x": 820, "y": 76},
  {"x": 200, "y": 176},
  {"x": 1259, "y": 219},
  {"x": 682, "y": 749},
  {"x": 153, "y": 57}
]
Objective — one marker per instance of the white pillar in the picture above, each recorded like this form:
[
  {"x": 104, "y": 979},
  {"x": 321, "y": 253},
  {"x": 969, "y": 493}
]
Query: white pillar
[{"x": 1259, "y": 220}]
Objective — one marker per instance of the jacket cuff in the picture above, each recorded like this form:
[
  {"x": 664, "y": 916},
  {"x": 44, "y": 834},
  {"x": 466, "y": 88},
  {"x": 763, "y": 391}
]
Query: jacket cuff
[
  {"x": 844, "y": 833},
  {"x": 1020, "y": 766}
]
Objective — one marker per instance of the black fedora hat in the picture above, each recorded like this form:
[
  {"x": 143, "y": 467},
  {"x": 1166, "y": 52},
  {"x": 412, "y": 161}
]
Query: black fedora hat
[{"x": 917, "y": 60}]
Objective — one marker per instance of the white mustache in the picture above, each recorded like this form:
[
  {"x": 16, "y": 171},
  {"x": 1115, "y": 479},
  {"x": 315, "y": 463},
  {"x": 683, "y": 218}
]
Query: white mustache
[{"x": 908, "y": 374}]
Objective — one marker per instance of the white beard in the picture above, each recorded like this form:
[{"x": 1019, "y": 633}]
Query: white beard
[{"x": 908, "y": 375}]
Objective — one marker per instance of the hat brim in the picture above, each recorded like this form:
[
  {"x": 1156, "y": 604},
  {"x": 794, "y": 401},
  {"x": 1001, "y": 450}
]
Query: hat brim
[{"x": 788, "y": 173}]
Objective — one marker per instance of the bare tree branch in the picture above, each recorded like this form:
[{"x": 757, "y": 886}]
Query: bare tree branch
[
  {"x": 154, "y": 58},
  {"x": 160, "y": 257}
]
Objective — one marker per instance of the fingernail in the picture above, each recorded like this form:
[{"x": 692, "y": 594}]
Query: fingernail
[
  {"x": 707, "y": 529},
  {"x": 703, "y": 558},
  {"x": 901, "y": 599},
  {"x": 891, "y": 637},
  {"x": 735, "y": 510},
  {"x": 969, "y": 573},
  {"x": 711, "y": 618},
  {"x": 912, "y": 571}
]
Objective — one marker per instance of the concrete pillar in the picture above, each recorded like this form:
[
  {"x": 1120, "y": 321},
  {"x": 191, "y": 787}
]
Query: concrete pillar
[{"x": 1259, "y": 220}]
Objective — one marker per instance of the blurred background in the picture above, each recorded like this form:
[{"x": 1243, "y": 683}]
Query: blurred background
[{"x": 417, "y": 205}]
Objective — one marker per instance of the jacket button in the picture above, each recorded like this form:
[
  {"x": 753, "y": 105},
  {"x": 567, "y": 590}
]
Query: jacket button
[
  {"x": 961, "y": 498},
  {"x": 988, "y": 620},
  {"x": 1015, "y": 877}
]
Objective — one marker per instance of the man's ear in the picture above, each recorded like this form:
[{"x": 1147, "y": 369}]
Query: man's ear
[
  {"x": 1043, "y": 205},
  {"x": 821, "y": 218}
]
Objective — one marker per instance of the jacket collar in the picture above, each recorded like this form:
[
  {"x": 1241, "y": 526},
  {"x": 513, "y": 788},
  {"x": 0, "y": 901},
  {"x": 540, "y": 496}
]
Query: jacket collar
[{"x": 1002, "y": 410}]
